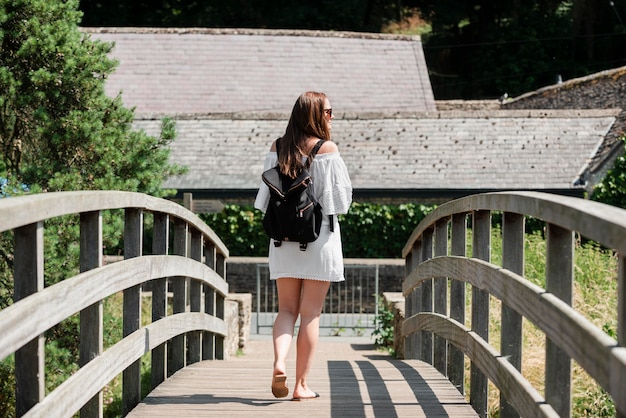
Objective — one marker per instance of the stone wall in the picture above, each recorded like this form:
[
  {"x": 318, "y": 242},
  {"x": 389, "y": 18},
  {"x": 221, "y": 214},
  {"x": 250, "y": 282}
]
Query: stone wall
[
  {"x": 237, "y": 315},
  {"x": 395, "y": 302},
  {"x": 242, "y": 277}
]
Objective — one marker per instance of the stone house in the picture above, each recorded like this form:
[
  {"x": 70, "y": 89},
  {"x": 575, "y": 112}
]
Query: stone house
[{"x": 231, "y": 91}]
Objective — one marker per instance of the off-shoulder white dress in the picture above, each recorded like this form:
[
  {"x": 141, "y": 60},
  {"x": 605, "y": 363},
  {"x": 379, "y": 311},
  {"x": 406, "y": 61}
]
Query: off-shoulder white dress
[{"x": 323, "y": 258}]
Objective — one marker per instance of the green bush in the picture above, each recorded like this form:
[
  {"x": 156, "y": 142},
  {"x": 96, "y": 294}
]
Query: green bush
[
  {"x": 383, "y": 333},
  {"x": 7, "y": 386},
  {"x": 368, "y": 230},
  {"x": 612, "y": 190}
]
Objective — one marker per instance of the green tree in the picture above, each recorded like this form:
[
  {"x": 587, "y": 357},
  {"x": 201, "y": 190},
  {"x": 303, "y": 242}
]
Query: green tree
[
  {"x": 58, "y": 128},
  {"x": 612, "y": 190},
  {"x": 484, "y": 48},
  {"x": 350, "y": 15},
  {"x": 59, "y": 131}
]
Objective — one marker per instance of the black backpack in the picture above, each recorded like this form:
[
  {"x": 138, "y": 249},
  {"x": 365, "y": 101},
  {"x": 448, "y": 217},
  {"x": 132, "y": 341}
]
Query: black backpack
[{"x": 293, "y": 213}]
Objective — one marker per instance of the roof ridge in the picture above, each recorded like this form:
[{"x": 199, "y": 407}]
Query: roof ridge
[
  {"x": 614, "y": 73},
  {"x": 441, "y": 114},
  {"x": 253, "y": 31}
]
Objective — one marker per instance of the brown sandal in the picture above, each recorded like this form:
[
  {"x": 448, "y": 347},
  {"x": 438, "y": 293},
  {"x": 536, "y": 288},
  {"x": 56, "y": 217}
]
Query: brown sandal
[{"x": 279, "y": 388}]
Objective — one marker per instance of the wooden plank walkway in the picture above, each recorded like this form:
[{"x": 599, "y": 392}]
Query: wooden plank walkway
[{"x": 353, "y": 379}]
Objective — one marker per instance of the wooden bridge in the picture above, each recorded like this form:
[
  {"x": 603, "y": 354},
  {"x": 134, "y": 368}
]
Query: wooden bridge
[{"x": 445, "y": 327}]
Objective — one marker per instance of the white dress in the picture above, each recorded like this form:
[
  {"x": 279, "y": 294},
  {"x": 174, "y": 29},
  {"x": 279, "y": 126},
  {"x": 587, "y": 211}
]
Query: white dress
[{"x": 323, "y": 258}]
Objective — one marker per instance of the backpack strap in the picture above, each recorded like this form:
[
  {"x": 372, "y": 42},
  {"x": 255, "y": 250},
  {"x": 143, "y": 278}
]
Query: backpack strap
[
  {"x": 309, "y": 160},
  {"x": 313, "y": 153}
]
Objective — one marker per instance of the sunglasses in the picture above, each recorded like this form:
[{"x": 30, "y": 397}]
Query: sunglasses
[{"x": 329, "y": 112}]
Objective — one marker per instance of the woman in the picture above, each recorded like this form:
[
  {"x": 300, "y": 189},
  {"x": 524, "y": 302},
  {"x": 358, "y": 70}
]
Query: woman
[{"x": 303, "y": 277}]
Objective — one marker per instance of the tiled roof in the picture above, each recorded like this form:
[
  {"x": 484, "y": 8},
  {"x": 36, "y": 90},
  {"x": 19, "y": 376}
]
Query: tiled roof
[
  {"x": 172, "y": 71},
  {"x": 413, "y": 153},
  {"x": 231, "y": 91},
  {"x": 602, "y": 90}
]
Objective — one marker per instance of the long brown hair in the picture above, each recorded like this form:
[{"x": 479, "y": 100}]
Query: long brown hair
[{"x": 307, "y": 120}]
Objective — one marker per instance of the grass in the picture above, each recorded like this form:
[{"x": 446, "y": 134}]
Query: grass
[
  {"x": 595, "y": 297},
  {"x": 112, "y": 392}
]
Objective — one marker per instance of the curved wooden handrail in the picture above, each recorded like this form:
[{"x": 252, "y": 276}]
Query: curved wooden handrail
[
  {"x": 35, "y": 314},
  {"x": 595, "y": 351},
  {"x": 26, "y": 210},
  {"x": 599, "y": 222},
  {"x": 193, "y": 270},
  {"x": 431, "y": 261},
  {"x": 88, "y": 381},
  {"x": 526, "y": 399}
]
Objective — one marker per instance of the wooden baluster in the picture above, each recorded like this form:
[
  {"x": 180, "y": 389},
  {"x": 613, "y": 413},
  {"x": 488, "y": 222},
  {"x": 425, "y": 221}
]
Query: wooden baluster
[
  {"x": 440, "y": 300},
  {"x": 91, "y": 318},
  {"x": 427, "y": 297},
  {"x": 176, "y": 347},
  {"x": 194, "y": 347},
  {"x": 208, "y": 338},
  {"x": 621, "y": 312},
  {"x": 511, "y": 333},
  {"x": 559, "y": 281},
  {"x": 415, "y": 299},
  {"x": 481, "y": 249},
  {"x": 28, "y": 277},
  {"x": 220, "y": 268},
  {"x": 408, "y": 308},
  {"x": 133, "y": 243},
  {"x": 160, "y": 246},
  {"x": 456, "y": 361}
]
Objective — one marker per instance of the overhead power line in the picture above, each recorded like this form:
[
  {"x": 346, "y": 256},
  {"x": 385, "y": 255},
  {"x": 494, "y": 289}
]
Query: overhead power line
[
  {"x": 616, "y": 13},
  {"x": 520, "y": 41}
]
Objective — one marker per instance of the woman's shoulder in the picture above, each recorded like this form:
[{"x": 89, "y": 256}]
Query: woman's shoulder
[{"x": 328, "y": 147}]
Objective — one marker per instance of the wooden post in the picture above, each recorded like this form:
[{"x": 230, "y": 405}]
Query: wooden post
[
  {"x": 194, "y": 347},
  {"x": 208, "y": 338},
  {"x": 416, "y": 302},
  {"x": 133, "y": 243},
  {"x": 621, "y": 312},
  {"x": 511, "y": 333},
  {"x": 91, "y": 318},
  {"x": 440, "y": 300},
  {"x": 408, "y": 307},
  {"x": 427, "y": 297},
  {"x": 220, "y": 268},
  {"x": 176, "y": 355},
  {"x": 456, "y": 362},
  {"x": 160, "y": 246},
  {"x": 481, "y": 249},
  {"x": 28, "y": 278},
  {"x": 412, "y": 303},
  {"x": 559, "y": 281}
]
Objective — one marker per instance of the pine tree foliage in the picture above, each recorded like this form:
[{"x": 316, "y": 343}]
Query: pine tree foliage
[{"x": 58, "y": 128}]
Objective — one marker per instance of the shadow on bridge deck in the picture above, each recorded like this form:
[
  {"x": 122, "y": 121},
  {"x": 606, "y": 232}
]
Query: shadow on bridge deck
[{"x": 352, "y": 377}]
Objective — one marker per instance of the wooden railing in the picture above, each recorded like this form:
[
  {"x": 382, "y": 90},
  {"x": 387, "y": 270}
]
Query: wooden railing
[
  {"x": 438, "y": 270},
  {"x": 192, "y": 271}
]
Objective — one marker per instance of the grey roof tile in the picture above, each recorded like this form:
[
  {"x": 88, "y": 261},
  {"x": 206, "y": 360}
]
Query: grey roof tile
[
  {"x": 217, "y": 70},
  {"x": 503, "y": 150}
]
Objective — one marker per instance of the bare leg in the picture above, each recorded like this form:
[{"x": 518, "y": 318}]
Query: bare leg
[
  {"x": 311, "y": 304},
  {"x": 289, "y": 292}
]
